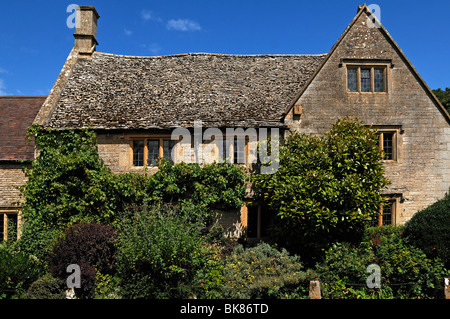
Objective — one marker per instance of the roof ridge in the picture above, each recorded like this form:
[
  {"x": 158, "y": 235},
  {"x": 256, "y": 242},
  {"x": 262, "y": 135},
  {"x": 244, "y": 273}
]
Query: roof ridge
[{"x": 207, "y": 54}]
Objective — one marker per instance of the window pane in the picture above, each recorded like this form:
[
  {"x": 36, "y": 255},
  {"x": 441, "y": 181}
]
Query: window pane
[
  {"x": 387, "y": 214},
  {"x": 224, "y": 151},
  {"x": 153, "y": 152},
  {"x": 138, "y": 153},
  {"x": 365, "y": 80},
  {"x": 388, "y": 146},
  {"x": 379, "y": 80},
  {"x": 351, "y": 80},
  {"x": 167, "y": 150},
  {"x": 12, "y": 226},
  {"x": 239, "y": 151}
]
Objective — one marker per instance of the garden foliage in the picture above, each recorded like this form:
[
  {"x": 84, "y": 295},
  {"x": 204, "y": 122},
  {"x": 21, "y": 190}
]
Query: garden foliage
[
  {"x": 429, "y": 230},
  {"x": 159, "y": 253},
  {"x": 92, "y": 246},
  {"x": 264, "y": 272},
  {"x": 406, "y": 272},
  {"x": 136, "y": 235},
  {"x": 327, "y": 188}
]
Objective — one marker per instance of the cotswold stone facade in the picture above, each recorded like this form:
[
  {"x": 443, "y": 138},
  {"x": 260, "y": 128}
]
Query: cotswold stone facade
[
  {"x": 420, "y": 169},
  {"x": 134, "y": 103}
]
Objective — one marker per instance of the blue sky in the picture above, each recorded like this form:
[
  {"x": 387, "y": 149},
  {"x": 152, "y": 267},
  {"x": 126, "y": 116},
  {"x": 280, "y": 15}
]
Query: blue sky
[{"x": 35, "y": 39}]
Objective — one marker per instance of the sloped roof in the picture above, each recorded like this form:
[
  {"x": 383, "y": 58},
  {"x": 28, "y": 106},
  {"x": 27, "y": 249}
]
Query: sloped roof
[
  {"x": 16, "y": 115},
  {"x": 107, "y": 91}
]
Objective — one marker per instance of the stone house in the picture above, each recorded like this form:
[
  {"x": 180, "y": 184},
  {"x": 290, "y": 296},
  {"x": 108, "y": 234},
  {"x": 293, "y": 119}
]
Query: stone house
[
  {"x": 135, "y": 104},
  {"x": 16, "y": 152}
]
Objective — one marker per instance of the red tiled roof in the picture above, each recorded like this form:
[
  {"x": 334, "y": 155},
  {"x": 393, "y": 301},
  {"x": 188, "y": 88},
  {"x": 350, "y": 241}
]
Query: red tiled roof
[{"x": 16, "y": 115}]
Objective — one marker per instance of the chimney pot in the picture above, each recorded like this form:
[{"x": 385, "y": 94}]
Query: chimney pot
[{"x": 86, "y": 30}]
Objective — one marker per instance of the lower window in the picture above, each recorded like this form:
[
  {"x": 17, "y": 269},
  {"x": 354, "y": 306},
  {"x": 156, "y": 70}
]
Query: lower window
[
  {"x": 148, "y": 151},
  {"x": 388, "y": 213},
  {"x": 8, "y": 226}
]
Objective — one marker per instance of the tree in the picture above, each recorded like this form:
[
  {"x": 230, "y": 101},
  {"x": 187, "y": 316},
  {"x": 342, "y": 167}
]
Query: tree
[
  {"x": 327, "y": 188},
  {"x": 444, "y": 97}
]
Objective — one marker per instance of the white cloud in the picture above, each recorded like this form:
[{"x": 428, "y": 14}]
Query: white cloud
[
  {"x": 127, "y": 32},
  {"x": 3, "y": 70},
  {"x": 153, "y": 48},
  {"x": 2, "y": 88},
  {"x": 183, "y": 25},
  {"x": 149, "y": 15}
]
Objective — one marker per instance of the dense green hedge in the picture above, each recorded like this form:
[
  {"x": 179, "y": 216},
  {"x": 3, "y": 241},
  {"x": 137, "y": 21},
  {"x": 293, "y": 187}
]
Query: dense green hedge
[
  {"x": 429, "y": 230},
  {"x": 406, "y": 272}
]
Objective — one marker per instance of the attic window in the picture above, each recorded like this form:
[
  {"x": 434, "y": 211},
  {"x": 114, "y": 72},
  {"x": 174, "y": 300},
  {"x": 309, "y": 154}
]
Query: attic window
[{"x": 366, "y": 78}]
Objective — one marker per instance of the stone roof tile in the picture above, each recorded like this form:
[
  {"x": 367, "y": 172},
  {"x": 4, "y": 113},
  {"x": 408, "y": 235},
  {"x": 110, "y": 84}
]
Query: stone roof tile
[{"x": 109, "y": 91}]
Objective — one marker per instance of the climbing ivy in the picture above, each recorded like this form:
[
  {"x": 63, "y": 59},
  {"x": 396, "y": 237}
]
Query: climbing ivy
[{"x": 68, "y": 183}]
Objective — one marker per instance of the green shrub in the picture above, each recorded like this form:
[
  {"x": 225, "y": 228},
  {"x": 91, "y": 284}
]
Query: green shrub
[
  {"x": 405, "y": 271},
  {"x": 198, "y": 189},
  {"x": 264, "y": 272},
  {"x": 91, "y": 246},
  {"x": 159, "y": 253},
  {"x": 106, "y": 287},
  {"x": 429, "y": 230},
  {"x": 326, "y": 189},
  {"x": 18, "y": 271},
  {"x": 46, "y": 287}
]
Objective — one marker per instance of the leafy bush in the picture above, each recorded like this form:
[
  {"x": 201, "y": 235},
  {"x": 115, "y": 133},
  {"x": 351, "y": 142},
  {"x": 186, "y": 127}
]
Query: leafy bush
[
  {"x": 198, "y": 188},
  {"x": 67, "y": 183},
  {"x": 326, "y": 189},
  {"x": 46, "y": 287},
  {"x": 429, "y": 230},
  {"x": 264, "y": 272},
  {"x": 209, "y": 278},
  {"x": 91, "y": 246},
  {"x": 159, "y": 253},
  {"x": 405, "y": 271},
  {"x": 18, "y": 271},
  {"x": 107, "y": 287}
]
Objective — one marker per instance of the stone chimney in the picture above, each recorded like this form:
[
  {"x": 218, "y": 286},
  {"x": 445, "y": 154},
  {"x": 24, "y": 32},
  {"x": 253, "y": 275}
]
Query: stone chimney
[{"x": 86, "y": 30}]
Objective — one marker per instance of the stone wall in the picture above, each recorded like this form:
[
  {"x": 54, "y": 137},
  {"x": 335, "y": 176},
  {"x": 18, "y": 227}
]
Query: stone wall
[
  {"x": 12, "y": 177},
  {"x": 422, "y": 171}
]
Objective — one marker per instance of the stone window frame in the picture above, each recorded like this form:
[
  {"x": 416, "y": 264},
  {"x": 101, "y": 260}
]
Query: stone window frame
[
  {"x": 5, "y": 214},
  {"x": 397, "y": 138},
  {"x": 372, "y": 65},
  {"x": 232, "y": 150},
  {"x": 381, "y": 134},
  {"x": 145, "y": 138},
  {"x": 394, "y": 201}
]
